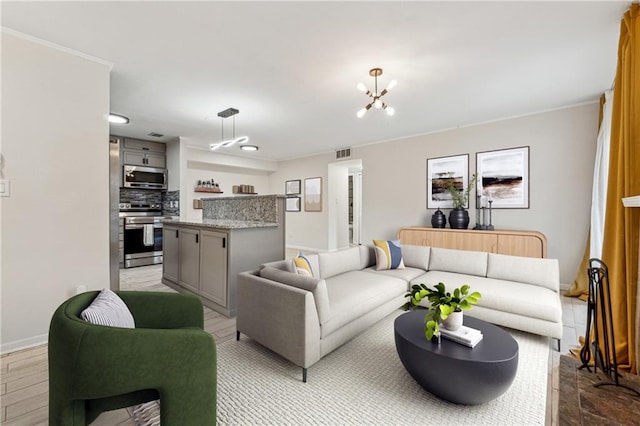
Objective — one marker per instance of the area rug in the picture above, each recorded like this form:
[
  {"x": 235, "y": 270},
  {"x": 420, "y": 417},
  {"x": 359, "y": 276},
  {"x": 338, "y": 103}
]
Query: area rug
[{"x": 363, "y": 383}]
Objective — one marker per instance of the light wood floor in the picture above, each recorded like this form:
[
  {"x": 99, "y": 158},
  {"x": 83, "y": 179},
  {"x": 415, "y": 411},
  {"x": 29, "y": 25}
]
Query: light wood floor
[
  {"x": 24, "y": 376},
  {"x": 24, "y": 384}
]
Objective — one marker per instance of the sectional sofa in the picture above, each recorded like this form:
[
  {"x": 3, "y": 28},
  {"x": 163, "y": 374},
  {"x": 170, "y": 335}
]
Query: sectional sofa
[{"x": 303, "y": 318}]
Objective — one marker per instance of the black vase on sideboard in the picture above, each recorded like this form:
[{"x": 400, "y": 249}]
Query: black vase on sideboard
[
  {"x": 459, "y": 219},
  {"x": 438, "y": 220}
]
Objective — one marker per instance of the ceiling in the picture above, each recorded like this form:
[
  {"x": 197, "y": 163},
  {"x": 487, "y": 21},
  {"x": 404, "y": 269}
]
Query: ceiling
[{"x": 291, "y": 68}]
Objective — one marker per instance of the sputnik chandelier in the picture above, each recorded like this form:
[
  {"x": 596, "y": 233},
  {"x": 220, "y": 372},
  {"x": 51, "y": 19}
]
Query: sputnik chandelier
[
  {"x": 229, "y": 112},
  {"x": 376, "y": 102}
]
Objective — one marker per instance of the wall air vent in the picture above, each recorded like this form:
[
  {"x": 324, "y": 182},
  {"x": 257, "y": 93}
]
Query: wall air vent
[
  {"x": 156, "y": 135},
  {"x": 343, "y": 153}
]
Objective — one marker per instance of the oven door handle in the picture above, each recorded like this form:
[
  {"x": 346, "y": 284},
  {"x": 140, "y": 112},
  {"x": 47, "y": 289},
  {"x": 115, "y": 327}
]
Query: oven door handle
[{"x": 127, "y": 226}]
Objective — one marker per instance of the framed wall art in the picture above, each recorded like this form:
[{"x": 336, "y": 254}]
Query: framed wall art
[
  {"x": 313, "y": 194},
  {"x": 442, "y": 170},
  {"x": 503, "y": 177},
  {"x": 292, "y": 187},
  {"x": 292, "y": 204}
]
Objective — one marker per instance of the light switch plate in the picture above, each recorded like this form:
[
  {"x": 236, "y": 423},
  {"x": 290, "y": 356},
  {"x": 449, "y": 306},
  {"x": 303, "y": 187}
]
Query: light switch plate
[{"x": 5, "y": 188}]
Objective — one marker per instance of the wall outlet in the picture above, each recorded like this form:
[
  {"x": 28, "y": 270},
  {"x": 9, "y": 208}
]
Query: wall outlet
[{"x": 5, "y": 188}]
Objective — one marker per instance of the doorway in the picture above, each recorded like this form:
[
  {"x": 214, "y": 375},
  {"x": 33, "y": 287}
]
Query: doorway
[{"x": 344, "y": 204}]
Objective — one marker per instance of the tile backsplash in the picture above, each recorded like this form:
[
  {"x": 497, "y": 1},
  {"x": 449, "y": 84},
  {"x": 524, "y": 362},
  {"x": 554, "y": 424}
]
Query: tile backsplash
[
  {"x": 170, "y": 200},
  {"x": 140, "y": 196},
  {"x": 171, "y": 203}
]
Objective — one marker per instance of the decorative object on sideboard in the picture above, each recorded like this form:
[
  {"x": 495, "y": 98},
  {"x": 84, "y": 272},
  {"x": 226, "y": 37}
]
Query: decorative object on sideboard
[
  {"x": 438, "y": 219},
  {"x": 375, "y": 96},
  {"x": 197, "y": 204},
  {"x": 459, "y": 216},
  {"x": 441, "y": 304},
  {"x": 503, "y": 176},
  {"x": 244, "y": 189},
  {"x": 481, "y": 213},
  {"x": 293, "y": 187},
  {"x": 313, "y": 194},
  {"x": 454, "y": 169}
]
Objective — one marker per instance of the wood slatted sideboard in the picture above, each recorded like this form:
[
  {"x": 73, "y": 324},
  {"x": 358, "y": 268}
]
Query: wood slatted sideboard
[{"x": 515, "y": 243}]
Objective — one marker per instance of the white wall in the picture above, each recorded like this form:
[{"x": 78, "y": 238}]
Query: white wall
[
  {"x": 55, "y": 225},
  {"x": 305, "y": 230},
  {"x": 562, "y": 149},
  {"x": 228, "y": 170}
]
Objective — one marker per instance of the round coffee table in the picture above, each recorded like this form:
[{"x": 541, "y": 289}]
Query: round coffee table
[{"x": 453, "y": 371}]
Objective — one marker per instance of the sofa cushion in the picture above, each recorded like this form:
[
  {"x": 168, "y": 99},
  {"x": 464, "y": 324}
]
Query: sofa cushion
[
  {"x": 542, "y": 272},
  {"x": 388, "y": 254},
  {"x": 283, "y": 265},
  {"x": 416, "y": 256},
  {"x": 337, "y": 262},
  {"x": 504, "y": 296},
  {"x": 407, "y": 274},
  {"x": 108, "y": 309},
  {"x": 303, "y": 266},
  {"x": 317, "y": 286},
  {"x": 459, "y": 261},
  {"x": 354, "y": 294},
  {"x": 367, "y": 256}
]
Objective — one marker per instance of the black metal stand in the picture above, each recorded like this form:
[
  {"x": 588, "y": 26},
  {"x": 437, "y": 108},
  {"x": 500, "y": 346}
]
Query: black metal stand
[{"x": 598, "y": 284}]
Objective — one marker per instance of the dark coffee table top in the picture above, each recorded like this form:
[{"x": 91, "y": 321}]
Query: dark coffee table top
[{"x": 496, "y": 344}]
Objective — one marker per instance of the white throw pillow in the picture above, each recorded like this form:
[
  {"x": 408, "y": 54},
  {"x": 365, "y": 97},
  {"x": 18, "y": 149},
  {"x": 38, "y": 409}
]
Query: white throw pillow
[{"x": 108, "y": 309}]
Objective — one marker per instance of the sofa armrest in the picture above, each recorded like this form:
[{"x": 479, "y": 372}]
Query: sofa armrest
[
  {"x": 281, "y": 317},
  {"x": 164, "y": 310}
]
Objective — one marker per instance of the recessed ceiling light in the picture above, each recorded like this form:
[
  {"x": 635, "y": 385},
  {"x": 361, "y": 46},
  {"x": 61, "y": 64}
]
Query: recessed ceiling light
[
  {"x": 248, "y": 147},
  {"x": 118, "y": 119}
]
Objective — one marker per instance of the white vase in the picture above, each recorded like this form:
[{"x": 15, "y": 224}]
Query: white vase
[{"x": 453, "y": 321}]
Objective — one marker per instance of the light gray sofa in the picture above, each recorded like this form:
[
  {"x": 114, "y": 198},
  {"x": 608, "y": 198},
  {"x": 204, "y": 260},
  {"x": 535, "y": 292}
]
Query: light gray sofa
[{"x": 304, "y": 318}]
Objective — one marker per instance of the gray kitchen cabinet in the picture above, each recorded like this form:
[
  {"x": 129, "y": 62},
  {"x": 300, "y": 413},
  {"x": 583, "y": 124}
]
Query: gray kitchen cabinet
[
  {"x": 143, "y": 158},
  {"x": 138, "y": 152},
  {"x": 139, "y": 144},
  {"x": 189, "y": 259},
  {"x": 171, "y": 252},
  {"x": 209, "y": 267},
  {"x": 213, "y": 266}
]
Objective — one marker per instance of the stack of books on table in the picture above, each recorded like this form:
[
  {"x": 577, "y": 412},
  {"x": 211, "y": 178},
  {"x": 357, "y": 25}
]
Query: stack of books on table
[{"x": 464, "y": 335}]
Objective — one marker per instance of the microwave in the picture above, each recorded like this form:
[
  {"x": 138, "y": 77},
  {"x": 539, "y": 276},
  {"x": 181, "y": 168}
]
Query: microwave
[{"x": 144, "y": 177}]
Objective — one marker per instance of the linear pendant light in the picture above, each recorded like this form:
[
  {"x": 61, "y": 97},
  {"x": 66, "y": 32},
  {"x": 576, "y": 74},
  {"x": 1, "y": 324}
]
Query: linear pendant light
[{"x": 229, "y": 112}]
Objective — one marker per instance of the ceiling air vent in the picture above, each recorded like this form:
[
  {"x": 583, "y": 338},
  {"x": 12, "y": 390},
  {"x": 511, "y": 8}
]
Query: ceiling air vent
[
  {"x": 343, "y": 153},
  {"x": 156, "y": 135}
]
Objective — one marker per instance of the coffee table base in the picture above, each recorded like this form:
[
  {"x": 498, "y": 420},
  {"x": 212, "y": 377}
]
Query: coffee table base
[{"x": 456, "y": 373}]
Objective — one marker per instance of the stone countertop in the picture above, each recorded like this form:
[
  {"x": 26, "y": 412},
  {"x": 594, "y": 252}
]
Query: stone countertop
[
  {"x": 220, "y": 223},
  {"x": 243, "y": 196}
]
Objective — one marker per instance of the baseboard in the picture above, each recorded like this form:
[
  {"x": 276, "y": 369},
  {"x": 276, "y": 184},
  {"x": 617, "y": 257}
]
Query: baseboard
[{"x": 21, "y": 344}]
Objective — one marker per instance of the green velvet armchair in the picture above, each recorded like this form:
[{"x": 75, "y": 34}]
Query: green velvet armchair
[{"x": 168, "y": 356}]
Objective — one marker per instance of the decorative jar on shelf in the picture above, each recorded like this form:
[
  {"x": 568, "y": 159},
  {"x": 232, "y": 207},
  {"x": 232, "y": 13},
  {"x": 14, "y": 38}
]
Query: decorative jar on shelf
[{"x": 438, "y": 220}]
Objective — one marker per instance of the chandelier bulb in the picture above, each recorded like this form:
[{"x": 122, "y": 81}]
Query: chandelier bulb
[
  {"x": 392, "y": 84},
  {"x": 390, "y": 111},
  {"x": 362, "y": 87},
  {"x": 361, "y": 113},
  {"x": 377, "y": 103}
]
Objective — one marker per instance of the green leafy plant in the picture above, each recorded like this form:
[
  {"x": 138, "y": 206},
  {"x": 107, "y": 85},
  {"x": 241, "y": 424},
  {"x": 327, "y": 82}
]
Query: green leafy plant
[
  {"x": 460, "y": 197},
  {"x": 441, "y": 303}
]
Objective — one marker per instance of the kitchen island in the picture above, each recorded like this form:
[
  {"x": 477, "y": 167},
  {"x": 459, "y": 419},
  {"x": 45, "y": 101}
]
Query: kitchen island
[{"x": 204, "y": 256}]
